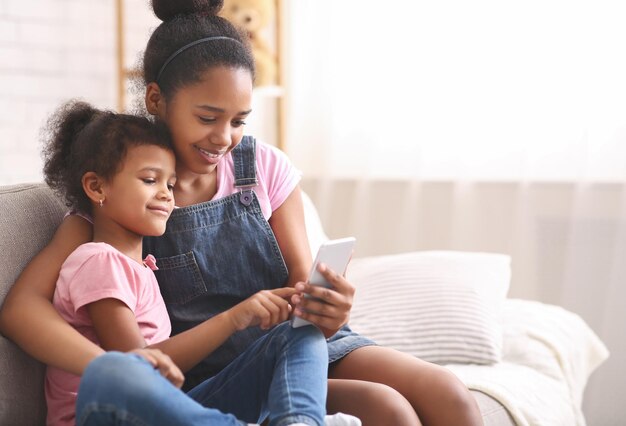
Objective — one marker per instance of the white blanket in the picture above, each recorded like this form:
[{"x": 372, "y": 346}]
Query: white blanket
[{"x": 549, "y": 353}]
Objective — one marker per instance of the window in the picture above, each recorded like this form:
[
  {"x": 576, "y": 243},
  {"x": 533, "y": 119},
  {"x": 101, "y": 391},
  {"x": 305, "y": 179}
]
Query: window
[{"x": 448, "y": 89}]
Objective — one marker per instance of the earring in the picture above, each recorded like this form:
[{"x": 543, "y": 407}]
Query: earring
[{"x": 101, "y": 201}]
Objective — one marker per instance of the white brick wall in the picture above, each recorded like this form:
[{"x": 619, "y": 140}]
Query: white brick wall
[
  {"x": 51, "y": 51},
  {"x": 55, "y": 50}
]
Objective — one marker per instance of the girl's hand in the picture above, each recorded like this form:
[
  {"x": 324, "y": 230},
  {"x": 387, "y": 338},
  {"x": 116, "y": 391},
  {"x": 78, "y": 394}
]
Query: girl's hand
[
  {"x": 163, "y": 363},
  {"x": 265, "y": 309},
  {"x": 330, "y": 308}
]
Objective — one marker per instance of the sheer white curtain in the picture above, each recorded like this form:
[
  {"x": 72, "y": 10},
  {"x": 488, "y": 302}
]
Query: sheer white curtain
[
  {"x": 459, "y": 89},
  {"x": 475, "y": 125}
]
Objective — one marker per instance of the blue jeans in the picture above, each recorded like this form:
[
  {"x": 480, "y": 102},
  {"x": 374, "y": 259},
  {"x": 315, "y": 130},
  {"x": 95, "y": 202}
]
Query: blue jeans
[{"x": 282, "y": 376}]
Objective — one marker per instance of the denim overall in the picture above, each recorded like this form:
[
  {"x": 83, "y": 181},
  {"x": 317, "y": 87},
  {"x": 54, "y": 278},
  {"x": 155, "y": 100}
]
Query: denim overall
[{"x": 217, "y": 253}]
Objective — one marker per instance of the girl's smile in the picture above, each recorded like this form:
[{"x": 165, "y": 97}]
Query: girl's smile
[
  {"x": 211, "y": 157},
  {"x": 160, "y": 210}
]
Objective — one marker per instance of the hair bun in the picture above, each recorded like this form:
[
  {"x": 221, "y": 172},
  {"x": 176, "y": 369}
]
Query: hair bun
[{"x": 167, "y": 9}]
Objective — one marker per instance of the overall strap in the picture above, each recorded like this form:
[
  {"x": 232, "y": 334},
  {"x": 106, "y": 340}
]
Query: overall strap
[{"x": 244, "y": 160}]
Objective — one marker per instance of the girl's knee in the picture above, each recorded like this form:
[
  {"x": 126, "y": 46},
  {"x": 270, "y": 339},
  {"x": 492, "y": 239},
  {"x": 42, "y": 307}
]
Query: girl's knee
[
  {"x": 114, "y": 371},
  {"x": 287, "y": 330},
  {"x": 395, "y": 406},
  {"x": 453, "y": 396},
  {"x": 377, "y": 404},
  {"x": 309, "y": 336},
  {"x": 115, "y": 363},
  {"x": 106, "y": 364},
  {"x": 453, "y": 389}
]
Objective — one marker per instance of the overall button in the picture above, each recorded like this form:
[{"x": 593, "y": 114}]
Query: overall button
[{"x": 246, "y": 198}]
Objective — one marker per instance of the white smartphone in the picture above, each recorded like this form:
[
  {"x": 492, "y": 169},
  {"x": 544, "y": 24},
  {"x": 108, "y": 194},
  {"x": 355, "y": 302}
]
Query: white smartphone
[{"x": 333, "y": 253}]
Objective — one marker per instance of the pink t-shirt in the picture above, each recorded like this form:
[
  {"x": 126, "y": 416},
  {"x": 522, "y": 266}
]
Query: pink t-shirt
[
  {"x": 96, "y": 271},
  {"x": 276, "y": 175}
]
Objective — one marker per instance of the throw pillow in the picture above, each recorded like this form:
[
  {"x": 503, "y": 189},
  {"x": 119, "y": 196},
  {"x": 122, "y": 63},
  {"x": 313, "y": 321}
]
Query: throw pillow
[{"x": 440, "y": 306}]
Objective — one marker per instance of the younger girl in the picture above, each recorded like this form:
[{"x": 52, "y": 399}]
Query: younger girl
[{"x": 118, "y": 171}]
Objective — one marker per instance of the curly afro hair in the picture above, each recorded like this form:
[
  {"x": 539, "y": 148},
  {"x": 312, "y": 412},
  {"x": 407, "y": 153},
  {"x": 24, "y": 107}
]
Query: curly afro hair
[{"x": 79, "y": 138}]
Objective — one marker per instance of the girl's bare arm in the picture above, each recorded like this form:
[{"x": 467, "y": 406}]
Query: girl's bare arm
[
  {"x": 28, "y": 316},
  {"x": 288, "y": 225},
  {"x": 117, "y": 329}
]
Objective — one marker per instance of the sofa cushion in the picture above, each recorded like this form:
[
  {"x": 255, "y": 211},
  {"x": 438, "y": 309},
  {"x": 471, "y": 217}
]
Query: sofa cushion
[
  {"x": 440, "y": 306},
  {"x": 29, "y": 215},
  {"x": 314, "y": 229}
]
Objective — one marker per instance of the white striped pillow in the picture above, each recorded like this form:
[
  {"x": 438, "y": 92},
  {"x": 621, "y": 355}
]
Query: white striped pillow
[{"x": 440, "y": 306}]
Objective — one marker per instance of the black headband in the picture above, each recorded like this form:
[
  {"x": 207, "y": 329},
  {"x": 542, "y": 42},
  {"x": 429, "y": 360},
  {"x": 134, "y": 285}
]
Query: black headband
[{"x": 187, "y": 46}]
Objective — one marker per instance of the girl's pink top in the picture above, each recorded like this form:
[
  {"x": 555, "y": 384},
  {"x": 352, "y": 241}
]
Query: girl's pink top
[
  {"x": 96, "y": 271},
  {"x": 276, "y": 175}
]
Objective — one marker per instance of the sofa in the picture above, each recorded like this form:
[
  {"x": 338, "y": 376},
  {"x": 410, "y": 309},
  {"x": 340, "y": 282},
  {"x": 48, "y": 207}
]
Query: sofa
[{"x": 525, "y": 362}]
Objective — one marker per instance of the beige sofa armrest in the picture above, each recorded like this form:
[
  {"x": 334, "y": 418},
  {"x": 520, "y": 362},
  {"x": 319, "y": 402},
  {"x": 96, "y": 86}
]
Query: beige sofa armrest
[{"x": 29, "y": 215}]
